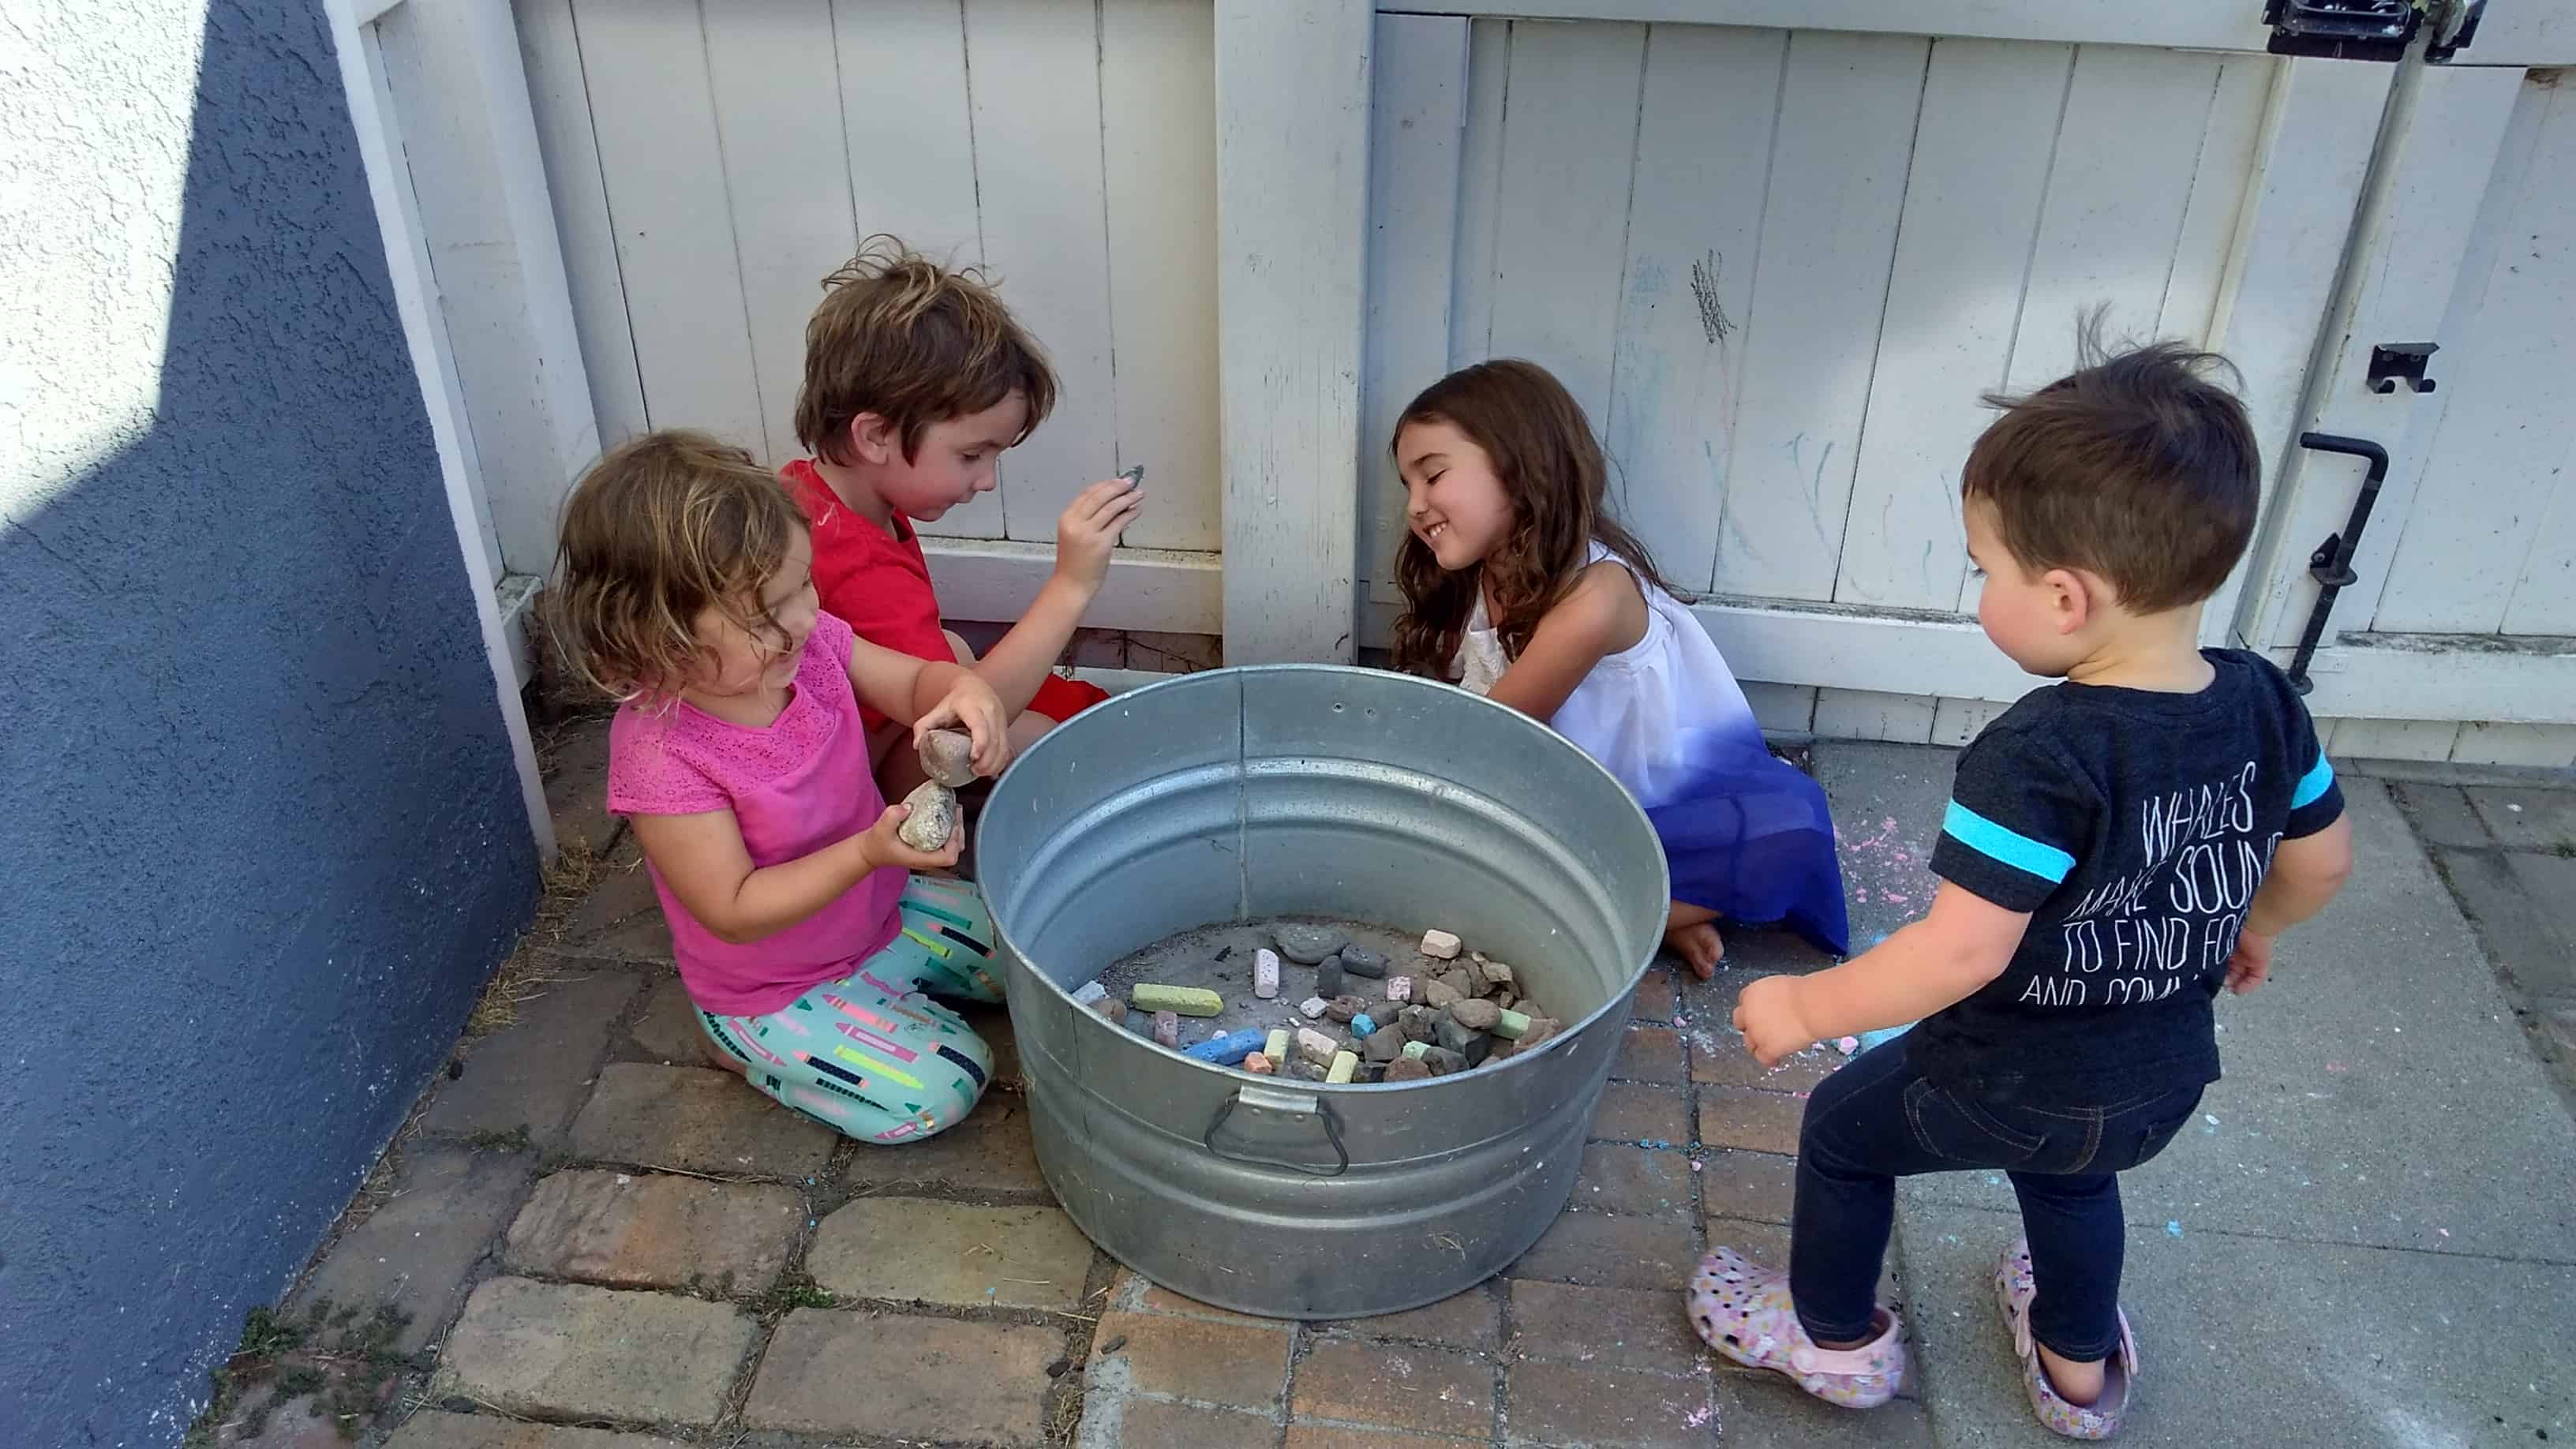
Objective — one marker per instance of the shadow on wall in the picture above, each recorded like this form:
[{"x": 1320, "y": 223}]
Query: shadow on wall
[{"x": 264, "y": 835}]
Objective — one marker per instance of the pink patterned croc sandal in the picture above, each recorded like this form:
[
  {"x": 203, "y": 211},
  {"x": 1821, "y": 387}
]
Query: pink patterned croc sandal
[
  {"x": 2014, "y": 1288},
  {"x": 1743, "y": 1312}
]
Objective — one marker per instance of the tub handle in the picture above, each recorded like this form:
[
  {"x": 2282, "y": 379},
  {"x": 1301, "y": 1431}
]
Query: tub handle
[{"x": 1289, "y": 1104}]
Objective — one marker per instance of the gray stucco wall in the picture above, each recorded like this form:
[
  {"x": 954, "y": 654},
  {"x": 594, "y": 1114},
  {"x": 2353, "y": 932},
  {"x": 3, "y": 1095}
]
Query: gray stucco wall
[{"x": 260, "y": 835}]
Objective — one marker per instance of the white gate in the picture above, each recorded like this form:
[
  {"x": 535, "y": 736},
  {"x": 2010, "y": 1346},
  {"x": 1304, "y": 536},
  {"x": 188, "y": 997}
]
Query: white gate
[
  {"x": 2462, "y": 600},
  {"x": 1777, "y": 266}
]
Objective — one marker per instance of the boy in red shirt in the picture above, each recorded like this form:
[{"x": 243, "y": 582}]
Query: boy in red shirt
[{"x": 916, "y": 379}]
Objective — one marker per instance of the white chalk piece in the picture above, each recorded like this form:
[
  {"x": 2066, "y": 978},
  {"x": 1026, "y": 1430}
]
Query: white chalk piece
[
  {"x": 1089, "y": 992},
  {"x": 1440, "y": 945}
]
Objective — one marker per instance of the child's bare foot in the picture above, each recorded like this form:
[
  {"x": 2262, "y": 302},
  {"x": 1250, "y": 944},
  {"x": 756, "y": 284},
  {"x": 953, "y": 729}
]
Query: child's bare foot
[
  {"x": 1700, "y": 945},
  {"x": 2079, "y": 1384}
]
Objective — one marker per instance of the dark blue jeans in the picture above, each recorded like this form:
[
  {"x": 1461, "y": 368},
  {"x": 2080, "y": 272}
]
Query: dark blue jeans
[{"x": 1877, "y": 1120}]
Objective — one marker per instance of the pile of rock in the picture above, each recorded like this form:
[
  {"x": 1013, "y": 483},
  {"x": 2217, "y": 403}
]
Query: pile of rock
[{"x": 1454, "y": 1011}]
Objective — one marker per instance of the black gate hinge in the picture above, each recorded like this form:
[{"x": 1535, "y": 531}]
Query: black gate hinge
[{"x": 2341, "y": 29}]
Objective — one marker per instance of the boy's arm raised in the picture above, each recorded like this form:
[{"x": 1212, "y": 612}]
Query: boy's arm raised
[
  {"x": 1962, "y": 943},
  {"x": 1084, "y": 535}
]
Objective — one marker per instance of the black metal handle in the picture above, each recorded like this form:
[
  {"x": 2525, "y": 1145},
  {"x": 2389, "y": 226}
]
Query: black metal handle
[
  {"x": 1321, "y": 1109},
  {"x": 2331, "y": 564}
]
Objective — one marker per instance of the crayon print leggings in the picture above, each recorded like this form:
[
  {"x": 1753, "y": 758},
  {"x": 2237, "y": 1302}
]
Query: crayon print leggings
[{"x": 872, "y": 1056}]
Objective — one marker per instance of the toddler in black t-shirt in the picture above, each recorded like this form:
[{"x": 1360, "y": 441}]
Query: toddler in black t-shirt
[{"x": 2118, "y": 846}]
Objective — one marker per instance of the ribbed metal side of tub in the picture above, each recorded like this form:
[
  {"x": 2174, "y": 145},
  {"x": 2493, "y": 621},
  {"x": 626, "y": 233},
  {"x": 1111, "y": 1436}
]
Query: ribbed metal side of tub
[{"x": 1297, "y": 789}]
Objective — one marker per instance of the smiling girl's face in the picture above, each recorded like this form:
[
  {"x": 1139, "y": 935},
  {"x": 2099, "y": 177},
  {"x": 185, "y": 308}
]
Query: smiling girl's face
[
  {"x": 734, "y": 661},
  {"x": 1453, "y": 501}
]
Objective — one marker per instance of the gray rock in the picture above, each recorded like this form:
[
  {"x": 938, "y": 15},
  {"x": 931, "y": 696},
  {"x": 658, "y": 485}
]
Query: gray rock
[
  {"x": 1343, "y": 1008},
  {"x": 947, "y": 757},
  {"x": 1454, "y": 1034},
  {"x": 933, "y": 818},
  {"x": 1328, "y": 978},
  {"x": 1440, "y": 993},
  {"x": 1443, "y": 1061},
  {"x": 1361, "y": 961},
  {"x": 1413, "y": 1023},
  {"x": 1308, "y": 945},
  {"x": 1476, "y": 1015},
  {"x": 1465, "y": 980},
  {"x": 1382, "y": 1045}
]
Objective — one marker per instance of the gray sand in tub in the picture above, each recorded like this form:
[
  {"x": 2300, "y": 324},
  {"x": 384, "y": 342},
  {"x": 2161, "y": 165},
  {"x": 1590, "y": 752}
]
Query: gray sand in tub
[{"x": 1219, "y": 958}]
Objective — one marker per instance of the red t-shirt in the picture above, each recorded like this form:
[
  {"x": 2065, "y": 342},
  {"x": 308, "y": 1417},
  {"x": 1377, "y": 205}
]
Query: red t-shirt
[{"x": 880, "y": 585}]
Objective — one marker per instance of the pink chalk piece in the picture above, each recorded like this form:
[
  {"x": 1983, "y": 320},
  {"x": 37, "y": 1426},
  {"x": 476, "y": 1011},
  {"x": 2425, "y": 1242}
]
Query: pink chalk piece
[
  {"x": 1259, "y": 1065},
  {"x": 1399, "y": 988},
  {"x": 1847, "y": 1044},
  {"x": 1167, "y": 1028},
  {"x": 1265, "y": 974}
]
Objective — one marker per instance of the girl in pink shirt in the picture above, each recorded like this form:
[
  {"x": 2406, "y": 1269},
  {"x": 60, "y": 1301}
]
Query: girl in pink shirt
[{"x": 739, "y": 758}]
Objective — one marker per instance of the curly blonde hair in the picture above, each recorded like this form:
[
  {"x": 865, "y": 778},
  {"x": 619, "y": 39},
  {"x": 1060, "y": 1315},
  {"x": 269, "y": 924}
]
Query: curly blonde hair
[
  {"x": 915, "y": 343},
  {"x": 657, "y": 532}
]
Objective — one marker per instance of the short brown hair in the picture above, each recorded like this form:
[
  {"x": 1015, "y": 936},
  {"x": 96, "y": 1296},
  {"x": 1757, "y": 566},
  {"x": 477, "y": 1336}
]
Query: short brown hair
[
  {"x": 658, "y": 531},
  {"x": 915, "y": 343},
  {"x": 2137, "y": 468}
]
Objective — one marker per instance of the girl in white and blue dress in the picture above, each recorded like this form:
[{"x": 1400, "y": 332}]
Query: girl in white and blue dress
[{"x": 1521, "y": 587}]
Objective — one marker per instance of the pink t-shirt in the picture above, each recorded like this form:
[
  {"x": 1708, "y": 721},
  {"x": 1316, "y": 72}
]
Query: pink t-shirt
[{"x": 795, "y": 787}]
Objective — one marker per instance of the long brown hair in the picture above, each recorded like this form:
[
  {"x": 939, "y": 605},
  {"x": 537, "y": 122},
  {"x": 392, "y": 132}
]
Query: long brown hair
[{"x": 1552, "y": 471}]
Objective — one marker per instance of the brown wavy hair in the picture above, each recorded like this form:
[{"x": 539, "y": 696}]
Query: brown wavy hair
[
  {"x": 915, "y": 343},
  {"x": 658, "y": 531},
  {"x": 1552, "y": 470}
]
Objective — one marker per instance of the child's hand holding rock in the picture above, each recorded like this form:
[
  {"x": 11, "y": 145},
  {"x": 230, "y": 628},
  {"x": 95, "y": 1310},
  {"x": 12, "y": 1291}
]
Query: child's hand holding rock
[{"x": 1766, "y": 1011}]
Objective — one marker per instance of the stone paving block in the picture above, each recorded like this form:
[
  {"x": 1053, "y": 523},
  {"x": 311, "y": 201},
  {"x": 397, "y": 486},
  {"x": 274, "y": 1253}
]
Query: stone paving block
[
  {"x": 621, "y": 918},
  {"x": 2514, "y": 928},
  {"x": 567, "y": 1350},
  {"x": 945, "y": 1252},
  {"x": 1131, "y": 1292},
  {"x": 1657, "y": 996},
  {"x": 2550, "y": 883},
  {"x": 1343, "y": 1436},
  {"x": 1650, "y": 1054},
  {"x": 1239, "y": 1365},
  {"x": 577, "y": 784},
  {"x": 1628, "y": 1327},
  {"x": 1602, "y": 1248},
  {"x": 1756, "y": 1185},
  {"x": 432, "y": 1429},
  {"x": 534, "y": 1073},
  {"x": 1121, "y": 1421},
  {"x": 2442, "y": 814},
  {"x": 1597, "y": 1404},
  {"x": 1757, "y": 1121},
  {"x": 898, "y": 1377},
  {"x": 668, "y": 1029},
  {"x": 988, "y": 1152},
  {"x": 1766, "y": 1411},
  {"x": 2360, "y": 1345},
  {"x": 1472, "y": 1319},
  {"x": 649, "y": 1230},
  {"x": 298, "y": 1423},
  {"x": 1718, "y": 1058},
  {"x": 1642, "y": 1181},
  {"x": 417, "y": 1249},
  {"x": 2527, "y": 817},
  {"x": 1429, "y": 1390},
  {"x": 696, "y": 1119},
  {"x": 1640, "y": 1112}
]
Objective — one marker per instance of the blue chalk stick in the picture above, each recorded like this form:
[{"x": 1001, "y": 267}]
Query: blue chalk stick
[
  {"x": 1872, "y": 1040},
  {"x": 1229, "y": 1049},
  {"x": 1363, "y": 1024}
]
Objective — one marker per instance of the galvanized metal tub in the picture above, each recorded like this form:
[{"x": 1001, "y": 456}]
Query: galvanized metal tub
[{"x": 1304, "y": 789}]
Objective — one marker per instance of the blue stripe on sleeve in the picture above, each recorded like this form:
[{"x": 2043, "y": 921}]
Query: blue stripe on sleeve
[
  {"x": 2312, "y": 784},
  {"x": 2008, "y": 846}
]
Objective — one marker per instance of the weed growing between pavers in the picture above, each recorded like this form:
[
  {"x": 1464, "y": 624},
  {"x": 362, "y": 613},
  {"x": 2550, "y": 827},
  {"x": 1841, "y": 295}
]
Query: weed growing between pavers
[
  {"x": 528, "y": 970},
  {"x": 330, "y": 1350},
  {"x": 514, "y": 1140},
  {"x": 792, "y": 1292}
]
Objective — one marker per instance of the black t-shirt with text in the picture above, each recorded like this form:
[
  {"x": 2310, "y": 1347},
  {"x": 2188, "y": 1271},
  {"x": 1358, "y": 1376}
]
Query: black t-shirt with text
[{"x": 2135, "y": 827}]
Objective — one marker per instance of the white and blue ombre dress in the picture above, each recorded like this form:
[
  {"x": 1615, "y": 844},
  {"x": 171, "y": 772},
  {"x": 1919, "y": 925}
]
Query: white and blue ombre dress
[{"x": 1745, "y": 835}]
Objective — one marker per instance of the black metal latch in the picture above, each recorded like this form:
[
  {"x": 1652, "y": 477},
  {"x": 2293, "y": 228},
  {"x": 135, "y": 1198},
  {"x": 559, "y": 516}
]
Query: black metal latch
[
  {"x": 2341, "y": 29},
  {"x": 2331, "y": 564},
  {"x": 2394, "y": 362}
]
